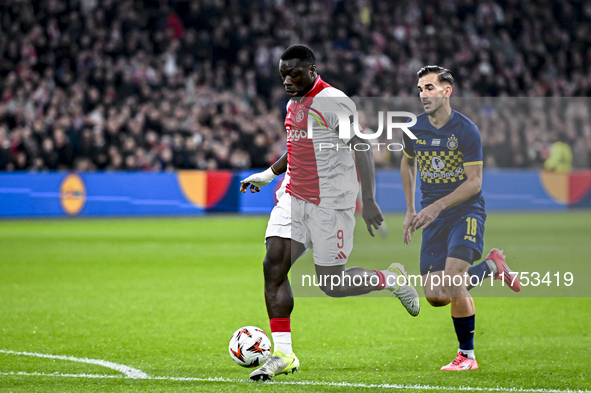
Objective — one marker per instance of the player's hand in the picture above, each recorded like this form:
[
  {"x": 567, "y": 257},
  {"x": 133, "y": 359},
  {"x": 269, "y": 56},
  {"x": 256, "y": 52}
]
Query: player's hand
[
  {"x": 245, "y": 184},
  {"x": 257, "y": 180},
  {"x": 410, "y": 216},
  {"x": 372, "y": 215},
  {"x": 425, "y": 217}
]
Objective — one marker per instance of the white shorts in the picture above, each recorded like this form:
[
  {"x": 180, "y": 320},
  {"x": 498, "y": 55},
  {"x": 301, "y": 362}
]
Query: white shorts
[{"x": 328, "y": 231}]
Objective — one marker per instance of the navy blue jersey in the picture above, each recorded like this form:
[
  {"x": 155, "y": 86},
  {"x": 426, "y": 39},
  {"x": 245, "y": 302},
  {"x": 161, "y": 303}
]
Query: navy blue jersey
[{"x": 442, "y": 155}]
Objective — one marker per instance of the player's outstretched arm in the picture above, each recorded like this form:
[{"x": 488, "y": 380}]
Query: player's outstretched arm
[
  {"x": 408, "y": 172},
  {"x": 257, "y": 180},
  {"x": 469, "y": 188},
  {"x": 367, "y": 174}
]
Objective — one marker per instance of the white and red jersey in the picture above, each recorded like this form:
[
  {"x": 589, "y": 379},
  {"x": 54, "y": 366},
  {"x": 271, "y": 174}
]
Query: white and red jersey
[{"x": 324, "y": 176}]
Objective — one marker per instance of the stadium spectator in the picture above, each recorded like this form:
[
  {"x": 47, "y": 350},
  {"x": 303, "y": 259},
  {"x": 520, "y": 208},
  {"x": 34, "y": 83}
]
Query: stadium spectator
[
  {"x": 162, "y": 85},
  {"x": 560, "y": 158}
]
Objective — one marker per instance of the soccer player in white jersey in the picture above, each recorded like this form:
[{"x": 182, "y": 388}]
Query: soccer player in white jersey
[{"x": 316, "y": 206}]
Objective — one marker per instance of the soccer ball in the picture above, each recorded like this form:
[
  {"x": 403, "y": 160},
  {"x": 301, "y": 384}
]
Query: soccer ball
[{"x": 250, "y": 346}]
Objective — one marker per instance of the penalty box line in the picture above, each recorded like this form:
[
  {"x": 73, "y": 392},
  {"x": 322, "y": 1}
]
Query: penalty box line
[{"x": 302, "y": 383}]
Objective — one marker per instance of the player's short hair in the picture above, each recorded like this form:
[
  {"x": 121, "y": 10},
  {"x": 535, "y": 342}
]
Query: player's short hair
[
  {"x": 443, "y": 74},
  {"x": 300, "y": 52}
]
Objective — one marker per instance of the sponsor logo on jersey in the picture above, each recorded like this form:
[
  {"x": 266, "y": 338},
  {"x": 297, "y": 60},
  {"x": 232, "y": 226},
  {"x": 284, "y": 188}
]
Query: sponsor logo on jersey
[
  {"x": 435, "y": 142},
  {"x": 296, "y": 135},
  {"x": 421, "y": 142},
  {"x": 437, "y": 163},
  {"x": 442, "y": 175},
  {"x": 452, "y": 143}
]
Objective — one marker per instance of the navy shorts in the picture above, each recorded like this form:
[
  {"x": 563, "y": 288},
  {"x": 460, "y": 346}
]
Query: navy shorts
[{"x": 464, "y": 229}]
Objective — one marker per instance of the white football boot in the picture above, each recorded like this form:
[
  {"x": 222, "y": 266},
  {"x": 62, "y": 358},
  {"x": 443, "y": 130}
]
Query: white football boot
[
  {"x": 407, "y": 294},
  {"x": 278, "y": 363}
]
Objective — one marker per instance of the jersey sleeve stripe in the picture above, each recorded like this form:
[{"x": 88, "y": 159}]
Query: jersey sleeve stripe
[
  {"x": 409, "y": 156},
  {"x": 473, "y": 163}
]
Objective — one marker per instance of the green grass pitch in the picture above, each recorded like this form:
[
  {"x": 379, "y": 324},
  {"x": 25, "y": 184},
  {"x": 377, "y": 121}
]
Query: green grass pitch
[{"x": 164, "y": 296}]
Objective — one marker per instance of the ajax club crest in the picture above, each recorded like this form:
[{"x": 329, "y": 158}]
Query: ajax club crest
[
  {"x": 452, "y": 143},
  {"x": 300, "y": 116}
]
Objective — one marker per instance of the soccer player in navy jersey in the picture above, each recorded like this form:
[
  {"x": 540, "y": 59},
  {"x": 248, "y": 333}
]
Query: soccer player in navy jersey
[{"x": 448, "y": 153}]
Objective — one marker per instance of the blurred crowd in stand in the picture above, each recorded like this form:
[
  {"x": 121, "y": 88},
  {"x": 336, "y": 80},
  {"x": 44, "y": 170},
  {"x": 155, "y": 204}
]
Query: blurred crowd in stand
[{"x": 163, "y": 84}]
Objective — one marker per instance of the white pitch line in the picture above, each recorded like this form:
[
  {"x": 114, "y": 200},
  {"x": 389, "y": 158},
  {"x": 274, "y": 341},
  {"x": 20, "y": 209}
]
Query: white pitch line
[
  {"x": 313, "y": 383},
  {"x": 96, "y": 376},
  {"x": 128, "y": 371}
]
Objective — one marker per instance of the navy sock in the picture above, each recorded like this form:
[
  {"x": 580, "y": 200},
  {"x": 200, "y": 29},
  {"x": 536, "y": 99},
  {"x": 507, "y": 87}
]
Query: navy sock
[
  {"x": 480, "y": 270},
  {"x": 465, "y": 331}
]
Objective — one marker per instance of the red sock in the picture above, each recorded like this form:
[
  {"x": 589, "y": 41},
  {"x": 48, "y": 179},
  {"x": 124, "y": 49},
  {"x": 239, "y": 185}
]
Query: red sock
[
  {"x": 382, "y": 280},
  {"x": 281, "y": 324},
  {"x": 281, "y": 333}
]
